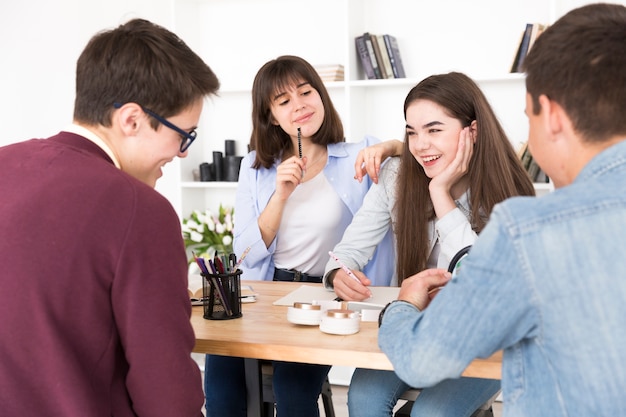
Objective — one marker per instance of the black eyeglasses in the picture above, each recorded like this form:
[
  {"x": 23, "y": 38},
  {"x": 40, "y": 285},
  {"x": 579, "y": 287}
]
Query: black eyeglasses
[{"x": 187, "y": 137}]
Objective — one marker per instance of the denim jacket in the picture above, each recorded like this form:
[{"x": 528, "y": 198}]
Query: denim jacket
[
  {"x": 256, "y": 187},
  {"x": 546, "y": 282}
]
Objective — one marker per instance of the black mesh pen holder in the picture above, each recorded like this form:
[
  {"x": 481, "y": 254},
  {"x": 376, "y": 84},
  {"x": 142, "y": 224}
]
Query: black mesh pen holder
[{"x": 222, "y": 295}]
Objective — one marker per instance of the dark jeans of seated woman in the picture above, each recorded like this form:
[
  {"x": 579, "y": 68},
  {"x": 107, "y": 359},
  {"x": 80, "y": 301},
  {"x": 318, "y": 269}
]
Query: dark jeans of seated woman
[{"x": 297, "y": 386}]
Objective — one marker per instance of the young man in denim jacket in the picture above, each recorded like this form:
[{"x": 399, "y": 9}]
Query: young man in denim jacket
[{"x": 545, "y": 279}]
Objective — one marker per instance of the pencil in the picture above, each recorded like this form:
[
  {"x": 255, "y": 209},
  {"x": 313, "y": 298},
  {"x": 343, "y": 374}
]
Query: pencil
[
  {"x": 344, "y": 267},
  {"x": 241, "y": 258},
  {"x": 299, "y": 143}
]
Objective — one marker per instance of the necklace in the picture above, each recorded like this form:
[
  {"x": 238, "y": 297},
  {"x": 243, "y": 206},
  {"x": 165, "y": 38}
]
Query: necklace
[
  {"x": 323, "y": 155},
  {"x": 313, "y": 164}
]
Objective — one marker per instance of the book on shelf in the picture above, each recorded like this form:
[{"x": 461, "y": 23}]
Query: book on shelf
[
  {"x": 538, "y": 29},
  {"x": 384, "y": 56},
  {"x": 536, "y": 174},
  {"x": 379, "y": 56},
  {"x": 364, "y": 57},
  {"x": 372, "y": 54},
  {"x": 527, "y": 39},
  {"x": 395, "y": 59},
  {"x": 541, "y": 177},
  {"x": 331, "y": 72}
]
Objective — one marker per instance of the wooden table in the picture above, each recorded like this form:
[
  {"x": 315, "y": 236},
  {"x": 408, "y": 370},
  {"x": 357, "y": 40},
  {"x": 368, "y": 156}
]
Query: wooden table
[{"x": 264, "y": 333}]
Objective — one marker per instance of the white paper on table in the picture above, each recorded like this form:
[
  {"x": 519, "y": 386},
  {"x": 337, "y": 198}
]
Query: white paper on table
[{"x": 381, "y": 296}]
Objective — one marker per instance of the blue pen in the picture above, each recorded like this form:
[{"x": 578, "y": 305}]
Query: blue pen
[{"x": 212, "y": 266}]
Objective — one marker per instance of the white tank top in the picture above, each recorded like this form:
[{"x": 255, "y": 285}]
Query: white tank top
[{"x": 313, "y": 222}]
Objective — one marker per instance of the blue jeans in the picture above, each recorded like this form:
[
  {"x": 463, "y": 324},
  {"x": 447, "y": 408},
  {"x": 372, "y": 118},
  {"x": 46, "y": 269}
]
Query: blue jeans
[
  {"x": 374, "y": 393},
  {"x": 297, "y": 387}
]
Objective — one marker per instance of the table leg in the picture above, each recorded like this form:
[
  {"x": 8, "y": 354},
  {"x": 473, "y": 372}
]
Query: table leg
[{"x": 254, "y": 387}]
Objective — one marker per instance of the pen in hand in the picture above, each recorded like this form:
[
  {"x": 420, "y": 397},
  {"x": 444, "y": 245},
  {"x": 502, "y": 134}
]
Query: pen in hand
[
  {"x": 299, "y": 143},
  {"x": 344, "y": 267},
  {"x": 300, "y": 147}
]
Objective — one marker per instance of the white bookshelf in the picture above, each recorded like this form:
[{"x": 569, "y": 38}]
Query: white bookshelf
[{"x": 236, "y": 37}]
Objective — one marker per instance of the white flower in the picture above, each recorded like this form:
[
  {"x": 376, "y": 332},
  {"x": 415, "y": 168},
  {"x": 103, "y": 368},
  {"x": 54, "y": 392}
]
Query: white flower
[
  {"x": 228, "y": 219},
  {"x": 204, "y": 231},
  {"x": 195, "y": 236}
]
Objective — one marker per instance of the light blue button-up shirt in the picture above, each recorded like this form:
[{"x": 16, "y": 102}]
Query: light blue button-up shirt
[
  {"x": 546, "y": 282},
  {"x": 256, "y": 186}
]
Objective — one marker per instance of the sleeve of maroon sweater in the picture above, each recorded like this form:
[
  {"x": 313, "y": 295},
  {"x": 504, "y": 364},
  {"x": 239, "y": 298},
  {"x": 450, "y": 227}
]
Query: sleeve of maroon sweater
[{"x": 152, "y": 312}]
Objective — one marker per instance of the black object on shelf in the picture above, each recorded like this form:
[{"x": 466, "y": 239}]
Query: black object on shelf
[
  {"x": 231, "y": 168},
  {"x": 229, "y": 147},
  {"x": 218, "y": 163},
  {"x": 205, "y": 172}
]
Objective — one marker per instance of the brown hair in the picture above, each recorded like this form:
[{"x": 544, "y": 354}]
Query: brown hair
[
  {"x": 495, "y": 172},
  {"x": 580, "y": 63},
  {"x": 143, "y": 63},
  {"x": 270, "y": 140}
]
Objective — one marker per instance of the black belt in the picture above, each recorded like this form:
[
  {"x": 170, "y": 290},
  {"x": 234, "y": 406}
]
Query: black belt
[{"x": 293, "y": 275}]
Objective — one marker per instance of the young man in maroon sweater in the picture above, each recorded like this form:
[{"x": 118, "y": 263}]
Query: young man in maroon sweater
[{"x": 94, "y": 305}]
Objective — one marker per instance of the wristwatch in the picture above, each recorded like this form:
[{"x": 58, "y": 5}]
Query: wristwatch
[{"x": 382, "y": 312}]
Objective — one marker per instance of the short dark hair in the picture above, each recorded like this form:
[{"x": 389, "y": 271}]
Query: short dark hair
[
  {"x": 143, "y": 63},
  {"x": 270, "y": 140},
  {"x": 580, "y": 63}
]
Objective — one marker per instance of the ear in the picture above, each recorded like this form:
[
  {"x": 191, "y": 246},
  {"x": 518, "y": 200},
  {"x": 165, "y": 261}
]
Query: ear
[
  {"x": 129, "y": 118},
  {"x": 473, "y": 127},
  {"x": 551, "y": 115}
]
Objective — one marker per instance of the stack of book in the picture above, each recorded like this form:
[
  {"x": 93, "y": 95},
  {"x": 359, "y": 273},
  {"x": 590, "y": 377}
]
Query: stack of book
[
  {"x": 333, "y": 72},
  {"x": 535, "y": 172},
  {"x": 527, "y": 39},
  {"x": 380, "y": 56}
]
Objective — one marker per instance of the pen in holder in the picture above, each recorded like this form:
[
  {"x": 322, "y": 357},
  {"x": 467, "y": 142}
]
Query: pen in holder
[{"x": 222, "y": 295}]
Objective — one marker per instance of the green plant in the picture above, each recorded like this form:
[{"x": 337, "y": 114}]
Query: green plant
[{"x": 204, "y": 232}]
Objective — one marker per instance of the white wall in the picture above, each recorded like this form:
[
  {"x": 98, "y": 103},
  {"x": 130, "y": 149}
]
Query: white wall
[{"x": 40, "y": 41}]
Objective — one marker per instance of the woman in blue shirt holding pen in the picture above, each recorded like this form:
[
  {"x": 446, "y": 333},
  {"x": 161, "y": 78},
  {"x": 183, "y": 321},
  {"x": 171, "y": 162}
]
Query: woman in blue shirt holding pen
[
  {"x": 457, "y": 163},
  {"x": 291, "y": 210}
]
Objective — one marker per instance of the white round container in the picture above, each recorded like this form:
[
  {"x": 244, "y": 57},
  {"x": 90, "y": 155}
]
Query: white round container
[
  {"x": 341, "y": 322},
  {"x": 307, "y": 314}
]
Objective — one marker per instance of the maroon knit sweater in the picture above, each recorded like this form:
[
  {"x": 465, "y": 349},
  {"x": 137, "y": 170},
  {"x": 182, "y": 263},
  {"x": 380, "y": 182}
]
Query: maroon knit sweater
[{"x": 94, "y": 312}]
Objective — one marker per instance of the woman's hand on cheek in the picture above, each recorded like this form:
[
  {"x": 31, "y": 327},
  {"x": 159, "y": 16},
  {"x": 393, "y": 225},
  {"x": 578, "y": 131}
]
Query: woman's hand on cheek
[
  {"x": 440, "y": 186},
  {"x": 459, "y": 165}
]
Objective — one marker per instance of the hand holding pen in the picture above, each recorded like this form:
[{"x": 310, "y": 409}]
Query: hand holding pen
[{"x": 352, "y": 289}]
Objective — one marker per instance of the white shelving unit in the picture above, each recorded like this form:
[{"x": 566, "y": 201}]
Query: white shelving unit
[{"x": 236, "y": 37}]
